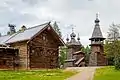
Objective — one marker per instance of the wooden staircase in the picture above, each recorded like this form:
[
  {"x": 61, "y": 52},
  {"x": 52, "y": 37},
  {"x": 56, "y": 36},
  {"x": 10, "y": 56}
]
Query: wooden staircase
[{"x": 80, "y": 62}]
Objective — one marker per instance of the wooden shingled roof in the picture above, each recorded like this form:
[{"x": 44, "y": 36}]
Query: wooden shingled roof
[
  {"x": 97, "y": 31},
  {"x": 28, "y": 34}
]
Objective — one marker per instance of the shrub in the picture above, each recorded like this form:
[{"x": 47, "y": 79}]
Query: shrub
[{"x": 117, "y": 62}]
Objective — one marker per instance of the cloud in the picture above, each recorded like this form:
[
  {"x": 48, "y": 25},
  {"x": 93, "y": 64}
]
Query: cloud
[{"x": 80, "y": 13}]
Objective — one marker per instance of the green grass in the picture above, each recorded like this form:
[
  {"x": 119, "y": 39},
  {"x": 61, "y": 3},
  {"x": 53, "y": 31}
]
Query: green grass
[
  {"x": 107, "y": 73},
  {"x": 36, "y": 75}
]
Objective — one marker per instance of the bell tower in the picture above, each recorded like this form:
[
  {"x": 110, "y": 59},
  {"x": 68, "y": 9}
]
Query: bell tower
[{"x": 97, "y": 57}]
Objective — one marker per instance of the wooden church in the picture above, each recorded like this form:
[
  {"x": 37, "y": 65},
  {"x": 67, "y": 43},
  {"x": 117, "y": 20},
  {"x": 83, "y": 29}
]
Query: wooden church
[
  {"x": 97, "y": 57},
  {"x": 35, "y": 47},
  {"x": 75, "y": 57}
]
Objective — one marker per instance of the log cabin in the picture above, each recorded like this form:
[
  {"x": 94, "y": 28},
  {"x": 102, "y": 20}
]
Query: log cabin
[{"x": 33, "y": 48}]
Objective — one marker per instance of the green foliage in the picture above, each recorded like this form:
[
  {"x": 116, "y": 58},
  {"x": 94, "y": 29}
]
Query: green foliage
[
  {"x": 56, "y": 28},
  {"x": 36, "y": 75},
  {"x": 117, "y": 62},
  {"x": 86, "y": 50},
  {"x": 116, "y": 47},
  {"x": 62, "y": 55},
  {"x": 63, "y": 49},
  {"x": 107, "y": 73},
  {"x": 109, "y": 51},
  {"x": 112, "y": 51},
  {"x": 83, "y": 49},
  {"x": 112, "y": 46}
]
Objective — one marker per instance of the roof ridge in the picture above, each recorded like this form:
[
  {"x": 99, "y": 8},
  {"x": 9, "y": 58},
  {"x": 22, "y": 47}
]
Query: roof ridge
[
  {"x": 12, "y": 36},
  {"x": 27, "y": 29},
  {"x": 37, "y": 25}
]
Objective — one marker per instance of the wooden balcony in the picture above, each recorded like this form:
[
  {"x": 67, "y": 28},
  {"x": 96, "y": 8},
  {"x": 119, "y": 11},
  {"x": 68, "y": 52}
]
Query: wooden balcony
[{"x": 99, "y": 42}]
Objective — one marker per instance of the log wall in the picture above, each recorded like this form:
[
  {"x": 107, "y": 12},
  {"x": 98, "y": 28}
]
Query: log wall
[
  {"x": 22, "y": 46},
  {"x": 43, "y": 51},
  {"x": 8, "y": 58}
]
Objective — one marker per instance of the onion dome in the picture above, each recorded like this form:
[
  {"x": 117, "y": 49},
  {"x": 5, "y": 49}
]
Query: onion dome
[
  {"x": 97, "y": 20},
  {"x": 72, "y": 35},
  {"x": 78, "y": 38},
  {"x": 67, "y": 39}
]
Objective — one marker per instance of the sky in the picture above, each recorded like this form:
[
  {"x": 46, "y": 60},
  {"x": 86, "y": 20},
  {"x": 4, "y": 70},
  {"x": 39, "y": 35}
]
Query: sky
[{"x": 79, "y": 14}]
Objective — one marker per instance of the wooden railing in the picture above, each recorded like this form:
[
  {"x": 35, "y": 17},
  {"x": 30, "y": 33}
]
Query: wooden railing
[{"x": 97, "y": 42}]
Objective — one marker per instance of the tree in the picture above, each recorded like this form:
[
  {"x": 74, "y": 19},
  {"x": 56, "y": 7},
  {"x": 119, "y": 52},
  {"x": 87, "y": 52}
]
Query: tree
[
  {"x": 57, "y": 29},
  {"x": 86, "y": 50},
  {"x": 62, "y": 56},
  {"x": 113, "y": 33},
  {"x": 62, "y": 49},
  {"x": 109, "y": 52},
  {"x": 112, "y": 46},
  {"x": 83, "y": 49},
  {"x": 116, "y": 47}
]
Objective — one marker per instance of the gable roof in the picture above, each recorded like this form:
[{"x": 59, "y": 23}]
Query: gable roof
[
  {"x": 27, "y": 34},
  {"x": 22, "y": 36}
]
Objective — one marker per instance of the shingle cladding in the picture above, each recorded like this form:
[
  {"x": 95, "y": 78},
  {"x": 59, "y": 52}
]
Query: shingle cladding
[{"x": 97, "y": 33}]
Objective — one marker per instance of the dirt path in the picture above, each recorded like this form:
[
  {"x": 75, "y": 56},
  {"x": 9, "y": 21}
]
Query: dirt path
[{"x": 86, "y": 73}]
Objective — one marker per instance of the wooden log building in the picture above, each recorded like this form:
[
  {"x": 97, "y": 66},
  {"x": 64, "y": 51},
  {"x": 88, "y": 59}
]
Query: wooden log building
[
  {"x": 97, "y": 56},
  {"x": 75, "y": 57},
  {"x": 36, "y": 47}
]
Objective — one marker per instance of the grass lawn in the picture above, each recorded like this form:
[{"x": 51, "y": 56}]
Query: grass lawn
[
  {"x": 107, "y": 73},
  {"x": 36, "y": 75}
]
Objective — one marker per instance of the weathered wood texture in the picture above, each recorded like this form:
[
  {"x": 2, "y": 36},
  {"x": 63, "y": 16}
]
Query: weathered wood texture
[
  {"x": 22, "y": 46},
  {"x": 97, "y": 57},
  {"x": 43, "y": 51},
  {"x": 8, "y": 58},
  {"x": 71, "y": 57},
  {"x": 101, "y": 59}
]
